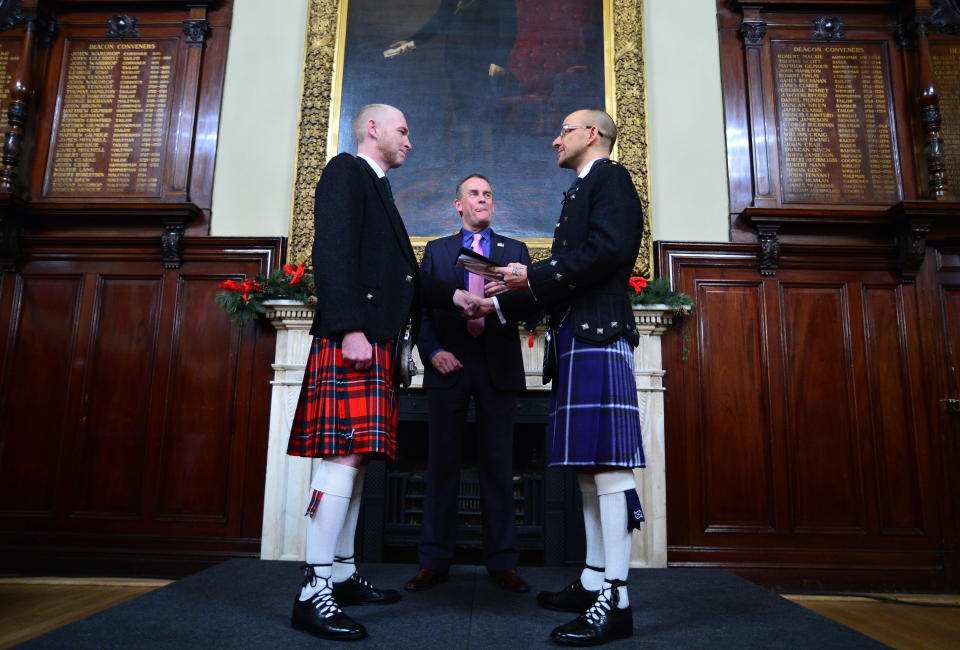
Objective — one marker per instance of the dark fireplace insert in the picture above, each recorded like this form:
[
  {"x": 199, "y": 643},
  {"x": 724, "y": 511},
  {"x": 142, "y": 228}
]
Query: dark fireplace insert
[{"x": 546, "y": 501}]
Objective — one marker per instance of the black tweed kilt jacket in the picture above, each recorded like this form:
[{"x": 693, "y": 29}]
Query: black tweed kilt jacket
[
  {"x": 365, "y": 271},
  {"x": 595, "y": 245}
]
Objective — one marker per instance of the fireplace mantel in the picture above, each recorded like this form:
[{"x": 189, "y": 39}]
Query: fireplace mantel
[{"x": 288, "y": 478}]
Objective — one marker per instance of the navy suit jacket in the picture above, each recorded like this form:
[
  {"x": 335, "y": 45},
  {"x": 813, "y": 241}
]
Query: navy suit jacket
[{"x": 448, "y": 330}]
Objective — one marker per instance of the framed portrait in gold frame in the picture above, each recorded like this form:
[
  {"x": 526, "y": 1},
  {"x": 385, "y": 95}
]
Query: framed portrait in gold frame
[{"x": 467, "y": 116}]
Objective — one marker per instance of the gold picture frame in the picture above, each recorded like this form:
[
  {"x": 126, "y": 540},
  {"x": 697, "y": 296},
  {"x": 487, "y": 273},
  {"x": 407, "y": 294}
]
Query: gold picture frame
[{"x": 625, "y": 97}]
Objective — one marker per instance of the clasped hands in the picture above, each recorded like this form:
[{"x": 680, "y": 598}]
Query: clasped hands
[
  {"x": 358, "y": 353},
  {"x": 473, "y": 306}
]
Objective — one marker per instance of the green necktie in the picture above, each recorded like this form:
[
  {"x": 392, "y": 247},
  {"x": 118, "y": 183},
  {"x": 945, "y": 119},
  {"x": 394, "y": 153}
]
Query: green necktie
[{"x": 386, "y": 186}]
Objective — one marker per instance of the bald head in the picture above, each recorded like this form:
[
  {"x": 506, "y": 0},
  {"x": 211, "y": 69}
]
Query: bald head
[
  {"x": 376, "y": 112},
  {"x": 381, "y": 133},
  {"x": 606, "y": 129},
  {"x": 584, "y": 136}
]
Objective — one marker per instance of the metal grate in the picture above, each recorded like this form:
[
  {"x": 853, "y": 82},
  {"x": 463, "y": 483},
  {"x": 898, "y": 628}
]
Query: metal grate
[{"x": 405, "y": 496}]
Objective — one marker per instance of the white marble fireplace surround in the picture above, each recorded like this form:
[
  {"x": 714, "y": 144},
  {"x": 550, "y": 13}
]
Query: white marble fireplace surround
[{"x": 288, "y": 478}]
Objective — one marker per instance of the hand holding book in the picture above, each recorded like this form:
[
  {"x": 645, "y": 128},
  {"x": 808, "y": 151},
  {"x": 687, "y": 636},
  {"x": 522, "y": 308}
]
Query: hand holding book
[{"x": 477, "y": 264}]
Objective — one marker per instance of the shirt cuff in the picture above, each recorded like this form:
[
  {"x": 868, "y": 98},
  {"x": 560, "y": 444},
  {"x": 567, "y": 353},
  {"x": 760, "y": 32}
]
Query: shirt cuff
[
  {"x": 435, "y": 353},
  {"x": 496, "y": 305}
]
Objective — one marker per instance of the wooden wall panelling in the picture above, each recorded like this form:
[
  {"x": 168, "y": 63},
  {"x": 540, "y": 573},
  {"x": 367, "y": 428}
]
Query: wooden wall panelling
[
  {"x": 763, "y": 125},
  {"x": 37, "y": 393},
  {"x": 825, "y": 477},
  {"x": 111, "y": 449},
  {"x": 739, "y": 172},
  {"x": 199, "y": 442},
  {"x": 733, "y": 443},
  {"x": 799, "y": 448},
  {"x": 208, "y": 113},
  {"x": 900, "y": 442},
  {"x": 134, "y": 429},
  {"x": 194, "y": 34},
  {"x": 941, "y": 272}
]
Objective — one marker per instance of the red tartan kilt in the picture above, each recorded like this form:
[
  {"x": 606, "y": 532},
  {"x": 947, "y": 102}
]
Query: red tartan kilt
[{"x": 342, "y": 411}]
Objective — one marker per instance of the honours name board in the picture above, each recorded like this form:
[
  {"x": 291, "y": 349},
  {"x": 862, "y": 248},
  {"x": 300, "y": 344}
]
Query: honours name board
[
  {"x": 111, "y": 120},
  {"x": 9, "y": 58},
  {"x": 946, "y": 75},
  {"x": 836, "y": 131}
]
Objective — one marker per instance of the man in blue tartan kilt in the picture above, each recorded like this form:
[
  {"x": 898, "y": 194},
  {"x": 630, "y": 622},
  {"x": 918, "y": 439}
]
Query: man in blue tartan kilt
[
  {"x": 594, "y": 419},
  {"x": 368, "y": 288}
]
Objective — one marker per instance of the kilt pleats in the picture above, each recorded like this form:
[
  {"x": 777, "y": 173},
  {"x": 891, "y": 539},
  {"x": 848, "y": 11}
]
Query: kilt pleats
[
  {"x": 342, "y": 411},
  {"x": 594, "y": 414}
]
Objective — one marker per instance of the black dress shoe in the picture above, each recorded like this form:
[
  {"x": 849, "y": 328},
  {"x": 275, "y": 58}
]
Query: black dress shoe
[
  {"x": 581, "y": 631},
  {"x": 602, "y": 623},
  {"x": 355, "y": 590},
  {"x": 425, "y": 579},
  {"x": 321, "y": 617},
  {"x": 510, "y": 580},
  {"x": 572, "y": 598}
]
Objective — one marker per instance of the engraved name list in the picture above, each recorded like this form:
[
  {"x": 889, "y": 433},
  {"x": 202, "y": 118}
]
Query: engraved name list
[
  {"x": 836, "y": 135},
  {"x": 111, "y": 120}
]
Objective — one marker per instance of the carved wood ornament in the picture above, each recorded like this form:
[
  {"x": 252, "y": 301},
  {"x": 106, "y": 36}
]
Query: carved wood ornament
[
  {"x": 828, "y": 28},
  {"x": 122, "y": 26}
]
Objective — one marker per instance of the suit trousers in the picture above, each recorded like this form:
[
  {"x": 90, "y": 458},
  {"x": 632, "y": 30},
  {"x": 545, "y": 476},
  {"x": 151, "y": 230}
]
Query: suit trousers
[{"x": 495, "y": 411}]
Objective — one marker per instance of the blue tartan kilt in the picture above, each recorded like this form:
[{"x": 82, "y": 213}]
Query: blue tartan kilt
[{"x": 594, "y": 415}]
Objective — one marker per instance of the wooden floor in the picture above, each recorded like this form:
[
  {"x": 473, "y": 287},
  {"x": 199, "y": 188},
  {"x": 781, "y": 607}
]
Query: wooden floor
[
  {"x": 30, "y": 607},
  {"x": 898, "y": 620}
]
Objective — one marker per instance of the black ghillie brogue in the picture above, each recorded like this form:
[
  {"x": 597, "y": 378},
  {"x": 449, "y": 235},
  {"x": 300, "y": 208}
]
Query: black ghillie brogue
[
  {"x": 321, "y": 616},
  {"x": 602, "y": 623},
  {"x": 572, "y": 598},
  {"x": 355, "y": 590}
]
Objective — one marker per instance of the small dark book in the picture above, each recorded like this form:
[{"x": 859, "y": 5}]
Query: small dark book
[{"x": 477, "y": 264}]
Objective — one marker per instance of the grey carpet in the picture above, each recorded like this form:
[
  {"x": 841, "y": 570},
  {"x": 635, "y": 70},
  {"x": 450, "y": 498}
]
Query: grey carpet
[{"x": 247, "y": 603}]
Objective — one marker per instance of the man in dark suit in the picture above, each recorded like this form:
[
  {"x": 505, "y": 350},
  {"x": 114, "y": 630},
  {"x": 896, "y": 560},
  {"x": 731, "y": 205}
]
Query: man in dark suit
[
  {"x": 368, "y": 288},
  {"x": 595, "y": 417},
  {"x": 481, "y": 358}
]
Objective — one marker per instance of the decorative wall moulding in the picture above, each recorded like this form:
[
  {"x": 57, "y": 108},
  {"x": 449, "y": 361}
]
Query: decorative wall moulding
[
  {"x": 946, "y": 16},
  {"x": 753, "y": 31},
  {"x": 810, "y": 5},
  {"x": 910, "y": 224},
  {"x": 11, "y": 14},
  {"x": 130, "y": 5},
  {"x": 196, "y": 31}
]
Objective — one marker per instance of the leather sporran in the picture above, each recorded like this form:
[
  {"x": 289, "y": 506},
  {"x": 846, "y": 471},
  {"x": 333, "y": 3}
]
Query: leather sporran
[
  {"x": 405, "y": 367},
  {"x": 550, "y": 360}
]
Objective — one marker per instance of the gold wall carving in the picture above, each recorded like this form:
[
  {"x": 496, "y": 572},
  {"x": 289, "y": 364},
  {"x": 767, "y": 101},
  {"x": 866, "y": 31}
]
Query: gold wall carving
[{"x": 626, "y": 102}]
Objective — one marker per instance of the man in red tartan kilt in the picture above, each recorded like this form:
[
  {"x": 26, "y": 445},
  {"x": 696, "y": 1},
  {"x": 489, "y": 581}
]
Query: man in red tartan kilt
[{"x": 368, "y": 289}]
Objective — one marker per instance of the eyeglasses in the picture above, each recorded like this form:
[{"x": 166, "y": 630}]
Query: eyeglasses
[{"x": 566, "y": 128}]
